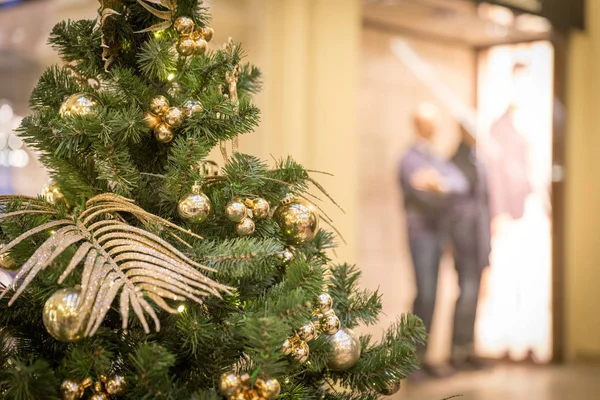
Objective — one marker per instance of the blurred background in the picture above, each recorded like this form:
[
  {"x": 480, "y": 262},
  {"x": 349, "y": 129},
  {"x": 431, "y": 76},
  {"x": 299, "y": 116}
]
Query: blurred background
[{"x": 343, "y": 79}]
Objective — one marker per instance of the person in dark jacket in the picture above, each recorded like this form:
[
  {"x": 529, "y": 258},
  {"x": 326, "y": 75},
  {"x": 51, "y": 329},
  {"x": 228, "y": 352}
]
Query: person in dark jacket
[
  {"x": 468, "y": 221},
  {"x": 428, "y": 183}
]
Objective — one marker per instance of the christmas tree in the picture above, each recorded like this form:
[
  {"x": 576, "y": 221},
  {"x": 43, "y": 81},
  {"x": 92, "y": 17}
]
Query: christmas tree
[{"x": 145, "y": 271}]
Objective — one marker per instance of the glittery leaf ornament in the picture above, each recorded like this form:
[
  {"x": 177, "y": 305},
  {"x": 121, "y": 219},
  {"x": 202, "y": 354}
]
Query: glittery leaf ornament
[
  {"x": 167, "y": 16},
  {"x": 118, "y": 259}
]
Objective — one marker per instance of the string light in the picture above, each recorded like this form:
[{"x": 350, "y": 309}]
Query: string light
[
  {"x": 171, "y": 76},
  {"x": 181, "y": 308}
]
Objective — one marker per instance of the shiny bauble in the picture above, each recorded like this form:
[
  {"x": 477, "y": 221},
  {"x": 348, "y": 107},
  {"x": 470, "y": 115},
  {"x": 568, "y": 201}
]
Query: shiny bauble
[
  {"x": 71, "y": 390},
  {"x": 99, "y": 396},
  {"x": 301, "y": 352},
  {"x": 286, "y": 256},
  {"x": 151, "y": 120},
  {"x": 6, "y": 261},
  {"x": 298, "y": 220},
  {"x": 186, "y": 46},
  {"x": 324, "y": 302},
  {"x": 116, "y": 386},
  {"x": 79, "y": 104},
  {"x": 230, "y": 384},
  {"x": 235, "y": 210},
  {"x": 268, "y": 388},
  {"x": 208, "y": 33},
  {"x": 200, "y": 46},
  {"x": 245, "y": 227},
  {"x": 192, "y": 107},
  {"x": 287, "y": 348},
  {"x": 184, "y": 25},
  {"x": 163, "y": 133},
  {"x": 194, "y": 207},
  {"x": 345, "y": 350},
  {"x": 159, "y": 105},
  {"x": 252, "y": 395},
  {"x": 260, "y": 208},
  {"x": 52, "y": 194},
  {"x": 330, "y": 324},
  {"x": 174, "y": 117},
  {"x": 390, "y": 389},
  {"x": 308, "y": 332},
  {"x": 62, "y": 315}
]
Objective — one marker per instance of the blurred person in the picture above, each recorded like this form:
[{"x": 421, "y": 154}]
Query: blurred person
[
  {"x": 428, "y": 182},
  {"x": 468, "y": 222}
]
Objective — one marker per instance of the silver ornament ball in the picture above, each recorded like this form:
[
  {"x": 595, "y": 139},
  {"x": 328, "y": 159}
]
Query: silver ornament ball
[
  {"x": 324, "y": 302},
  {"x": 345, "y": 350}
]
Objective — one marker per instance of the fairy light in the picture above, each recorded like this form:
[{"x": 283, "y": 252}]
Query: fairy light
[
  {"x": 181, "y": 308},
  {"x": 171, "y": 76}
]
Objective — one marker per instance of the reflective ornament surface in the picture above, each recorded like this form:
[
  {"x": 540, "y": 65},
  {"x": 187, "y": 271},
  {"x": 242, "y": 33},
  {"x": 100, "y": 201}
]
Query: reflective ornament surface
[
  {"x": 268, "y": 388},
  {"x": 208, "y": 33},
  {"x": 52, "y": 194},
  {"x": 308, "y": 332},
  {"x": 298, "y": 220},
  {"x": 99, "y": 396},
  {"x": 236, "y": 210},
  {"x": 230, "y": 384},
  {"x": 79, "y": 104},
  {"x": 186, "y": 46},
  {"x": 301, "y": 352},
  {"x": 330, "y": 324},
  {"x": 390, "y": 389},
  {"x": 192, "y": 107},
  {"x": 324, "y": 302},
  {"x": 151, "y": 120},
  {"x": 163, "y": 133},
  {"x": 345, "y": 350},
  {"x": 62, "y": 315},
  {"x": 116, "y": 386},
  {"x": 260, "y": 208},
  {"x": 194, "y": 207},
  {"x": 245, "y": 227},
  {"x": 174, "y": 117},
  {"x": 286, "y": 256},
  {"x": 70, "y": 390},
  {"x": 6, "y": 261},
  {"x": 200, "y": 46},
  {"x": 159, "y": 105},
  {"x": 184, "y": 25},
  {"x": 287, "y": 348}
]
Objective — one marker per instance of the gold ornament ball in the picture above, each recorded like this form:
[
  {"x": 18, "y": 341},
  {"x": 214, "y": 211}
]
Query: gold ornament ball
[
  {"x": 159, "y": 105},
  {"x": 208, "y": 33},
  {"x": 268, "y": 389},
  {"x": 186, "y": 46},
  {"x": 200, "y": 46},
  {"x": 192, "y": 107},
  {"x": 194, "y": 208},
  {"x": 99, "y": 396},
  {"x": 62, "y": 315},
  {"x": 236, "y": 210},
  {"x": 184, "y": 25},
  {"x": 174, "y": 117},
  {"x": 245, "y": 227},
  {"x": 116, "y": 386},
  {"x": 79, "y": 104},
  {"x": 330, "y": 324},
  {"x": 324, "y": 302},
  {"x": 390, "y": 389},
  {"x": 345, "y": 350},
  {"x": 163, "y": 133},
  {"x": 71, "y": 390},
  {"x": 52, "y": 194},
  {"x": 151, "y": 120},
  {"x": 287, "y": 348},
  {"x": 301, "y": 352},
  {"x": 308, "y": 332},
  {"x": 6, "y": 261},
  {"x": 260, "y": 208},
  {"x": 230, "y": 384},
  {"x": 298, "y": 220},
  {"x": 286, "y": 256}
]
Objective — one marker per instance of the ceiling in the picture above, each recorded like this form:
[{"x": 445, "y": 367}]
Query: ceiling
[{"x": 459, "y": 21}]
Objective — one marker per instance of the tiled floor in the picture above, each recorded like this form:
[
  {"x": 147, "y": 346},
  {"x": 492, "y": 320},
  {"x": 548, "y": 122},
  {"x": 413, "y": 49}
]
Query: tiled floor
[{"x": 512, "y": 383}]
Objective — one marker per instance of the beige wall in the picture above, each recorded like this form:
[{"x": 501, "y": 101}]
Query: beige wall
[
  {"x": 388, "y": 94},
  {"x": 583, "y": 192}
]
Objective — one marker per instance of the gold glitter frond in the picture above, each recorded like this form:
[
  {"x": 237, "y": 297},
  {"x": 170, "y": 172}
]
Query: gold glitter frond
[
  {"x": 118, "y": 259},
  {"x": 166, "y": 16}
]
